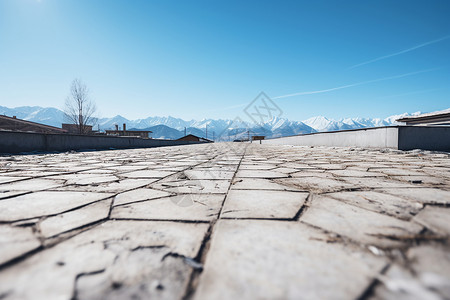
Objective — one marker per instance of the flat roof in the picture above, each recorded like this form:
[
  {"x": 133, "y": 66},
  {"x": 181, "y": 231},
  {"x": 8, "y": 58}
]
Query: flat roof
[{"x": 437, "y": 115}]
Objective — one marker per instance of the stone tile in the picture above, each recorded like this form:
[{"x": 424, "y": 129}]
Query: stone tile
[
  {"x": 6, "y": 194},
  {"x": 427, "y": 276},
  {"x": 381, "y": 203},
  {"x": 358, "y": 224},
  {"x": 115, "y": 260},
  {"x": 138, "y": 195},
  {"x": 208, "y": 174},
  {"x": 254, "y": 259},
  {"x": 376, "y": 182},
  {"x": 312, "y": 173},
  {"x": 86, "y": 179},
  {"x": 316, "y": 184},
  {"x": 258, "y": 184},
  {"x": 355, "y": 173},
  {"x": 89, "y": 214},
  {"x": 422, "y": 180},
  {"x": 189, "y": 207},
  {"x": 15, "y": 242},
  {"x": 259, "y": 174},
  {"x": 423, "y": 195},
  {"x": 44, "y": 204},
  {"x": 147, "y": 174},
  {"x": 109, "y": 187},
  {"x": 7, "y": 179},
  {"x": 31, "y": 185},
  {"x": 435, "y": 218},
  {"x": 263, "y": 204},
  {"x": 399, "y": 171},
  {"x": 328, "y": 166},
  {"x": 196, "y": 186}
]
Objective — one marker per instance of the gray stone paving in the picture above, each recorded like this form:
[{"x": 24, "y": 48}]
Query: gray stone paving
[{"x": 225, "y": 221}]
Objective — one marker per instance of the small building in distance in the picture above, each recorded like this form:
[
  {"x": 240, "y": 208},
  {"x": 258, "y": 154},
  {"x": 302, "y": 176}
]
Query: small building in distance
[
  {"x": 194, "y": 138},
  {"x": 137, "y": 133},
  {"x": 439, "y": 118},
  {"x": 258, "y": 137},
  {"x": 73, "y": 128},
  {"x": 14, "y": 124}
]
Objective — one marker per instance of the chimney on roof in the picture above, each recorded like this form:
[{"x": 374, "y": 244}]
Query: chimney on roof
[
  {"x": 124, "y": 127},
  {"x": 117, "y": 127},
  {"x": 14, "y": 117}
]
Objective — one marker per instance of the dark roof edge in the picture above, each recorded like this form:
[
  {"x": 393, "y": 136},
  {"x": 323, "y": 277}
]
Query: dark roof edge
[{"x": 33, "y": 123}]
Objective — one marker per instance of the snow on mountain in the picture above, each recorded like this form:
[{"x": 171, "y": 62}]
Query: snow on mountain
[
  {"x": 173, "y": 128},
  {"x": 45, "y": 115}
]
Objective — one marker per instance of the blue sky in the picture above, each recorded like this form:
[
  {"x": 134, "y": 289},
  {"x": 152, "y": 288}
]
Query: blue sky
[{"x": 208, "y": 59}]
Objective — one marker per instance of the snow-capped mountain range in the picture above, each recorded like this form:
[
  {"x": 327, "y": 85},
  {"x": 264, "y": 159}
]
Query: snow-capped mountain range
[{"x": 171, "y": 128}]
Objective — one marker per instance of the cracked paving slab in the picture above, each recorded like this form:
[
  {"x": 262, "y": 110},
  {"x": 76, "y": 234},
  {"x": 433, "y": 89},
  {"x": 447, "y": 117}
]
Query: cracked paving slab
[
  {"x": 116, "y": 260},
  {"x": 225, "y": 221},
  {"x": 41, "y": 204},
  {"x": 252, "y": 259},
  {"x": 358, "y": 224},
  {"x": 263, "y": 204}
]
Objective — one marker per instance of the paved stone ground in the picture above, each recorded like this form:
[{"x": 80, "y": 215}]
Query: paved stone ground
[{"x": 225, "y": 221}]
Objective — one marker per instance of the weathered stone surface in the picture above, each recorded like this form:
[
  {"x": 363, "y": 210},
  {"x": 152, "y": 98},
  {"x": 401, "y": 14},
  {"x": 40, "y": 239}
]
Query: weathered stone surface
[
  {"x": 15, "y": 242},
  {"x": 120, "y": 259},
  {"x": 435, "y": 218},
  {"x": 76, "y": 218},
  {"x": 358, "y": 224},
  {"x": 147, "y": 174},
  {"x": 190, "y": 207},
  {"x": 31, "y": 185},
  {"x": 427, "y": 276},
  {"x": 258, "y": 184},
  {"x": 9, "y": 178},
  {"x": 424, "y": 195},
  {"x": 381, "y": 203},
  {"x": 355, "y": 173},
  {"x": 44, "y": 204},
  {"x": 109, "y": 187},
  {"x": 259, "y": 174},
  {"x": 376, "y": 182},
  {"x": 251, "y": 259},
  {"x": 366, "y": 209},
  {"x": 195, "y": 186},
  {"x": 138, "y": 195},
  {"x": 208, "y": 174},
  {"x": 263, "y": 204},
  {"x": 85, "y": 179},
  {"x": 316, "y": 184}
]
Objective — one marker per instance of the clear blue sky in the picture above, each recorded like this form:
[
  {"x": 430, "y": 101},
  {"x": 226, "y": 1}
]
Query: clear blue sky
[{"x": 203, "y": 59}]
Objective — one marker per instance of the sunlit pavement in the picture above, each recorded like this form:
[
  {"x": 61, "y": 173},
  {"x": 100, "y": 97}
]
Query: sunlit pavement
[{"x": 225, "y": 221}]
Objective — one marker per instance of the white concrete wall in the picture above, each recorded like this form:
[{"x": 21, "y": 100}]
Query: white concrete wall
[{"x": 381, "y": 137}]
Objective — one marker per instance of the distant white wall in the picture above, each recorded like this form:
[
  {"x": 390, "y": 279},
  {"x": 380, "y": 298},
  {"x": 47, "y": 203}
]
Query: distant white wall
[
  {"x": 382, "y": 137},
  {"x": 436, "y": 138}
]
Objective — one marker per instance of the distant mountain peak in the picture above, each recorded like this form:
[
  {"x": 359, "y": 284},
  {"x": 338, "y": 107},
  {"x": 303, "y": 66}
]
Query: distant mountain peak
[{"x": 171, "y": 127}]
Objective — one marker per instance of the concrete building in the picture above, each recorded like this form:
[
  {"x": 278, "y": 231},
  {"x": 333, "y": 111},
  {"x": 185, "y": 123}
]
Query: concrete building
[
  {"x": 435, "y": 118},
  {"x": 14, "y": 124},
  {"x": 124, "y": 132},
  {"x": 194, "y": 138}
]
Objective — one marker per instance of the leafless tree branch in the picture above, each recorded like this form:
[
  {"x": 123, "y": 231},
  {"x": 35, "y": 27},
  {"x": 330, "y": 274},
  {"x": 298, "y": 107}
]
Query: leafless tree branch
[{"x": 79, "y": 108}]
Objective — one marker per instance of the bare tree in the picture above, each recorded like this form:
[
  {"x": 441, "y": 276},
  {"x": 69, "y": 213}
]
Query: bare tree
[{"x": 80, "y": 109}]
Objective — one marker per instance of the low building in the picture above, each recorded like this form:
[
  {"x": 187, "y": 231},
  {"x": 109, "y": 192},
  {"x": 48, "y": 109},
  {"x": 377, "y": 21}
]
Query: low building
[
  {"x": 74, "y": 128},
  {"x": 258, "y": 137},
  {"x": 124, "y": 132},
  {"x": 14, "y": 124},
  {"x": 194, "y": 138},
  {"x": 439, "y": 118}
]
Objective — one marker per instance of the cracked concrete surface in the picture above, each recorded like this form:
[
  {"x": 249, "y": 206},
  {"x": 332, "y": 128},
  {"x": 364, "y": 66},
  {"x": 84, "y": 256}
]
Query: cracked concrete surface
[{"x": 225, "y": 221}]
